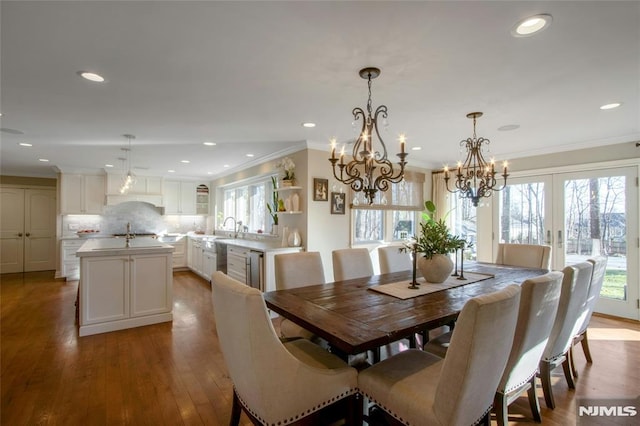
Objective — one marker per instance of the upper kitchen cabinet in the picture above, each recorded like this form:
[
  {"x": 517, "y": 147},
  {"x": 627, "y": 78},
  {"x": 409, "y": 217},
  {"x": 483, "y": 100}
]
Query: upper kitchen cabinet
[
  {"x": 81, "y": 194},
  {"x": 143, "y": 185},
  {"x": 188, "y": 198}
]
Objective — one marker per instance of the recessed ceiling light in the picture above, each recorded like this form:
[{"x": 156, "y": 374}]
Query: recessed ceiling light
[
  {"x": 171, "y": 171},
  {"x": 309, "y": 124},
  {"x": 0, "y": 114},
  {"x": 209, "y": 173},
  {"x": 611, "y": 106},
  {"x": 108, "y": 165},
  {"x": 209, "y": 143},
  {"x": 416, "y": 148},
  {"x": 44, "y": 160},
  {"x": 531, "y": 25},
  {"x": 91, "y": 76},
  {"x": 226, "y": 165},
  {"x": 185, "y": 161},
  {"x": 249, "y": 155},
  {"x": 24, "y": 144},
  {"x": 508, "y": 127}
]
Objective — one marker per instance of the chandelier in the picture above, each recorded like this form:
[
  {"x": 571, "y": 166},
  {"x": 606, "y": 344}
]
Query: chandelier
[
  {"x": 369, "y": 170},
  {"x": 129, "y": 179},
  {"x": 475, "y": 178}
]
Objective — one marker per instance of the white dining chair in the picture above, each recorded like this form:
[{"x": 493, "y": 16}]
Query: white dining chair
[
  {"x": 524, "y": 255},
  {"x": 295, "y": 270},
  {"x": 538, "y": 306},
  {"x": 351, "y": 263},
  {"x": 595, "y": 286},
  {"x": 569, "y": 318},
  {"x": 276, "y": 383},
  {"x": 394, "y": 258},
  {"x": 417, "y": 388}
]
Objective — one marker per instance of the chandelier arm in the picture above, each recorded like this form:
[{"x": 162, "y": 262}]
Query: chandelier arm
[{"x": 381, "y": 110}]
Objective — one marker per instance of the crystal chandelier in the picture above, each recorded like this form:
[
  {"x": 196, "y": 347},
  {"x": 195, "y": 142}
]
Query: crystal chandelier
[
  {"x": 475, "y": 178},
  {"x": 129, "y": 179},
  {"x": 369, "y": 170}
]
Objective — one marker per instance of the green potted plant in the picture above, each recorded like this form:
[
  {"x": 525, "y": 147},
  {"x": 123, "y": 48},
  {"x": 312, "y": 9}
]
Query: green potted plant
[
  {"x": 273, "y": 207},
  {"x": 434, "y": 244},
  {"x": 288, "y": 167}
]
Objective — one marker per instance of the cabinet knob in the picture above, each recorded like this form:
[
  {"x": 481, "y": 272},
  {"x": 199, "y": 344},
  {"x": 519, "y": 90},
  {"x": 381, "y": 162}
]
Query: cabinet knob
[{"x": 19, "y": 234}]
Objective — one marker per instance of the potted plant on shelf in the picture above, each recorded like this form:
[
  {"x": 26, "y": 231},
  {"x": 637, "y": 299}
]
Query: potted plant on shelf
[
  {"x": 434, "y": 243},
  {"x": 273, "y": 207},
  {"x": 288, "y": 167}
]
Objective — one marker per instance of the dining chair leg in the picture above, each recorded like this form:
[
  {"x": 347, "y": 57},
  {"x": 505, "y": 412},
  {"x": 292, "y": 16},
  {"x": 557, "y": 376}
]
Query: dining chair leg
[
  {"x": 486, "y": 420},
  {"x": 533, "y": 400},
  {"x": 236, "y": 410},
  {"x": 585, "y": 347},
  {"x": 568, "y": 371},
  {"x": 545, "y": 377},
  {"x": 574, "y": 371},
  {"x": 355, "y": 410},
  {"x": 501, "y": 408}
]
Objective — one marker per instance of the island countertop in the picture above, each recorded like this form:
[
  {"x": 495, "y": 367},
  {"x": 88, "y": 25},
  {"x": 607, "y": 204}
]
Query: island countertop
[{"x": 117, "y": 247}]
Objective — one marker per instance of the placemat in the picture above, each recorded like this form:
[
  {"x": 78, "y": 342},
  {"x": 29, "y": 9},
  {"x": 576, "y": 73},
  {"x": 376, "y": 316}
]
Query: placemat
[{"x": 401, "y": 291}]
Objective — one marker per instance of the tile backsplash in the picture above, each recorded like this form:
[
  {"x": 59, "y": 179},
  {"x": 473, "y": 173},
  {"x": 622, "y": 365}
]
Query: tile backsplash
[{"x": 144, "y": 218}]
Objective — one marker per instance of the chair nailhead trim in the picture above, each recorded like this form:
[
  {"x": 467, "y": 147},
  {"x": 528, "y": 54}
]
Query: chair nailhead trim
[
  {"x": 297, "y": 416},
  {"x": 519, "y": 385}
]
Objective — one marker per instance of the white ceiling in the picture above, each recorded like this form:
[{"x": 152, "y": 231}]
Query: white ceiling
[{"x": 247, "y": 74}]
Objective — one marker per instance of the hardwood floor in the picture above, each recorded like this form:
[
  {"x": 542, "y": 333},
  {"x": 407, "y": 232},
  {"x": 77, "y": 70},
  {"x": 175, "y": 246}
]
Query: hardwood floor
[{"x": 174, "y": 374}]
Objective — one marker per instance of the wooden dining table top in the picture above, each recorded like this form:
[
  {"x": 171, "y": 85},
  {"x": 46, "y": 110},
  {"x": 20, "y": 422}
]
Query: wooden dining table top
[{"x": 353, "y": 318}]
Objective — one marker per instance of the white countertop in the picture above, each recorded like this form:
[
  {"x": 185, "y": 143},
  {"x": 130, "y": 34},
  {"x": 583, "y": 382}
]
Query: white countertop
[
  {"x": 117, "y": 247},
  {"x": 259, "y": 245}
]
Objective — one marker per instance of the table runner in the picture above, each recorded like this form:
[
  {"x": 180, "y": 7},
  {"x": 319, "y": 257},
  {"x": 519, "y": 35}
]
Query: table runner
[{"x": 401, "y": 291}]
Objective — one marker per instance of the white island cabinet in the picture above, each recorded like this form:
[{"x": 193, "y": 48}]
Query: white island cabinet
[{"x": 124, "y": 287}]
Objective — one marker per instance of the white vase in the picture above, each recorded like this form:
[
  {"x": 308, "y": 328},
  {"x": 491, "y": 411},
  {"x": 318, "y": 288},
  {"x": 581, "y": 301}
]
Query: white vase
[
  {"x": 285, "y": 236},
  {"x": 294, "y": 238},
  {"x": 437, "y": 269},
  {"x": 274, "y": 230},
  {"x": 287, "y": 204},
  {"x": 295, "y": 203}
]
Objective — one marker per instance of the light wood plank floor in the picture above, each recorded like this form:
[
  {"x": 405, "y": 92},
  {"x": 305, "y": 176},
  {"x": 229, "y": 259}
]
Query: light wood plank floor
[{"x": 174, "y": 373}]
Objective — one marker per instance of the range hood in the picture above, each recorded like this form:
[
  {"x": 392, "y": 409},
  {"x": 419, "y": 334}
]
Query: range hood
[{"x": 114, "y": 199}]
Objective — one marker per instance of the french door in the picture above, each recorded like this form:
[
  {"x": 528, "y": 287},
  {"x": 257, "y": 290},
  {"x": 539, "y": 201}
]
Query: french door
[{"x": 581, "y": 215}]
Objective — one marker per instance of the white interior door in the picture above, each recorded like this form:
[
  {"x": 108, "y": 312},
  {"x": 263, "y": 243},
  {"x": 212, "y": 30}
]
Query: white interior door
[
  {"x": 596, "y": 213},
  {"x": 39, "y": 227},
  {"x": 11, "y": 230}
]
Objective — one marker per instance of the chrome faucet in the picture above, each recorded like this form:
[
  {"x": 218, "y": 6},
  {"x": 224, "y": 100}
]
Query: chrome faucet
[
  {"x": 128, "y": 236},
  {"x": 236, "y": 225}
]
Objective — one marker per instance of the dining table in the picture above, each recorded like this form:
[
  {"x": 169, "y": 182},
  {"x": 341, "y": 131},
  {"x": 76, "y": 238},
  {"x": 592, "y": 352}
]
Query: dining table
[{"x": 355, "y": 316}]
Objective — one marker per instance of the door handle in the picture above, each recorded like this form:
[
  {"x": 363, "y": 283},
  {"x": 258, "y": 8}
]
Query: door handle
[
  {"x": 19, "y": 234},
  {"x": 28, "y": 234},
  {"x": 559, "y": 239},
  {"x": 549, "y": 237}
]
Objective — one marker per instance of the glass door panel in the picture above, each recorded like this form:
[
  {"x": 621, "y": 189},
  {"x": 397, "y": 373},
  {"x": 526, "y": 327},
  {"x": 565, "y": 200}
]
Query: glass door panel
[{"x": 594, "y": 217}]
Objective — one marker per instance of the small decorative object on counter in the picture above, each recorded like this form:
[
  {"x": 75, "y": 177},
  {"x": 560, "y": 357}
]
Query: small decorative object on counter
[
  {"x": 285, "y": 236},
  {"x": 295, "y": 202},
  {"x": 294, "y": 238}
]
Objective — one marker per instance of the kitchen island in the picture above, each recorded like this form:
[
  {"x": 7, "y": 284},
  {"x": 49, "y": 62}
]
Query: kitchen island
[{"x": 124, "y": 285}]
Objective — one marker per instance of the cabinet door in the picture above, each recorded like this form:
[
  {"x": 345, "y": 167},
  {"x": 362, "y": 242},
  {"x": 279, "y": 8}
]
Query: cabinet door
[
  {"x": 105, "y": 289},
  {"x": 208, "y": 264},
  {"x": 188, "y": 198},
  {"x": 93, "y": 194},
  {"x": 71, "y": 190},
  {"x": 171, "y": 196},
  {"x": 151, "y": 284}
]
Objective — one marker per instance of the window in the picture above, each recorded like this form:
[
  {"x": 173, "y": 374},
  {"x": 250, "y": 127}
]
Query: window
[
  {"x": 393, "y": 216},
  {"x": 463, "y": 222},
  {"x": 248, "y": 204}
]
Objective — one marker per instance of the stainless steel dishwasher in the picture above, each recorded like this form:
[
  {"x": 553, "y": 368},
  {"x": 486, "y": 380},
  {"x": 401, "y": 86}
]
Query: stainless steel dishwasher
[{"x": 255, "y": 269}]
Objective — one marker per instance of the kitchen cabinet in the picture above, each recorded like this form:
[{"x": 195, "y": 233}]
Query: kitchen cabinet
[
  {"x": 202, "y": 258},
  {"x": 179, "y": 258},
  {"x": 143, "y": 185},
  {"x": 209, "y": 260},
  {"x": 179, "y": 197},
  {"x": 119, "y": 291},
  {"x": 237, "y": 262},
  {"x": 81, "y": 194},
  {"x": 70, "y": 264},
  {"x": 194, "y": 255}
]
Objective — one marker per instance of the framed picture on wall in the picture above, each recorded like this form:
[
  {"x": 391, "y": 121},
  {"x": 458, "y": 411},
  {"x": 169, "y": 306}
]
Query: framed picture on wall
[
  {"x": 320, "y": 189},
  {"x": 338, "y": 202}
]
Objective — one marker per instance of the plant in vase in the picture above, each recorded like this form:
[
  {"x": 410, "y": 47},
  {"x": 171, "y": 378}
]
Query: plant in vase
[
  {"x": 434, "y": 243},
  {"x": 288, "y": 167},
  {"x": 273, "y": 207}
]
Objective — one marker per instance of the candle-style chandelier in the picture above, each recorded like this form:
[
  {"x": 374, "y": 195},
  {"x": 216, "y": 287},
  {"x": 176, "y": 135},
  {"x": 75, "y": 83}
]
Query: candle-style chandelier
[
  {"x": 369, "y": 170},
  {"x": 129, "y": 179},
  {"x": 475, "y": 178}
]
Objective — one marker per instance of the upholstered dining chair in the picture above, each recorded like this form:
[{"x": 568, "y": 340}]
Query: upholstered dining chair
[
  {"x": 393, "y": 259},
  {"x": 525, "y": 255},
  {"x": 569, "y": 318},
  {"x": 418, "y": 388},
  {"x": 538, "y": 306},
  {"x": 351, "y": 263},
  {"x": 595, "y": 286},
  {"x": 294, "y": 270},
  {"x": 276, "y": 383}
]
